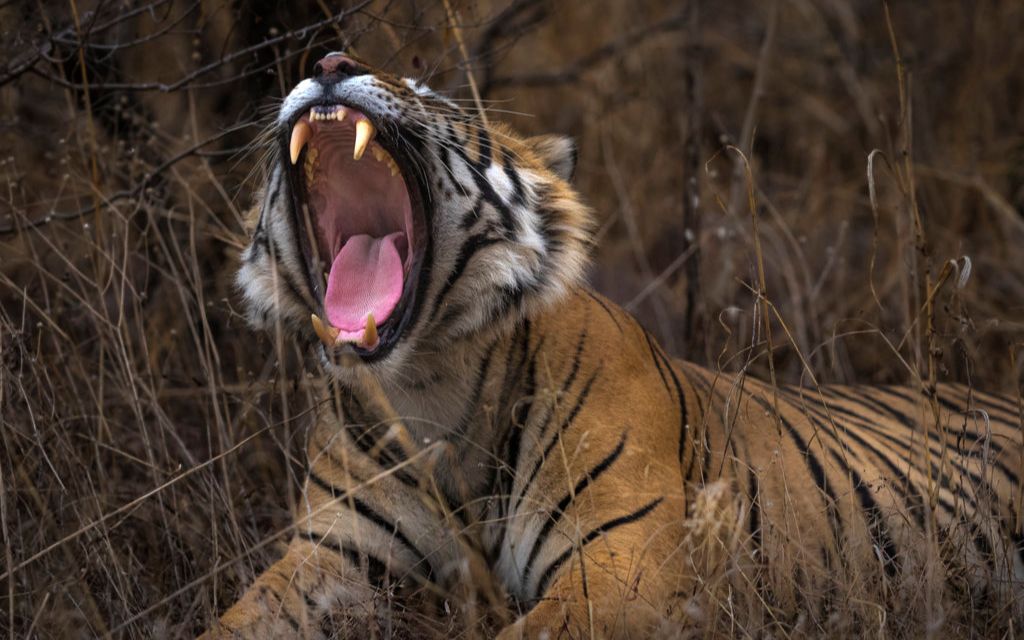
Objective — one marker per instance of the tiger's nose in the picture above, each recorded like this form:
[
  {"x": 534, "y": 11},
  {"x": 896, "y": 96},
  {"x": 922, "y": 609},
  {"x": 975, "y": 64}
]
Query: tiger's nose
[{"x": 335, "y": 67}]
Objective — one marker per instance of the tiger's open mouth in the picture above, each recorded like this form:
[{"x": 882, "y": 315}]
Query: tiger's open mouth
[{"x": 362, "y": 226}]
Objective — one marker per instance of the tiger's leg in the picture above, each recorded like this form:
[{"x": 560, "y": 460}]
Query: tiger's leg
[
  {"x": 368, "y": 523},
  {"x": 293, "y": 596},
  {"x": 604, "y": 556},
  {"x": 597, "y": 597}
]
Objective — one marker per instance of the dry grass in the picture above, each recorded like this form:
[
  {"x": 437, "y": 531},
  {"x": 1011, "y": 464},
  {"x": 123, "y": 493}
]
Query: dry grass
[{"x": 149, "y": 441}]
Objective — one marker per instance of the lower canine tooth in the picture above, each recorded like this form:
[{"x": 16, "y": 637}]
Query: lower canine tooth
[
  {"x": 370, "y": 338},
  {"x": 327, "y": 334}
]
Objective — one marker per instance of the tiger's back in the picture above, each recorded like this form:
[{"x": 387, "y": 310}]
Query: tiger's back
[
  {"x": 812, "y": 501},
  {"x": 869, "y": 498}
]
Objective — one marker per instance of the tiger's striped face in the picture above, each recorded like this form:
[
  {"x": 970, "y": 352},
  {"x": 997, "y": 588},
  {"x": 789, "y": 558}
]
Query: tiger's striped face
[{"x": 400, "y": 222}]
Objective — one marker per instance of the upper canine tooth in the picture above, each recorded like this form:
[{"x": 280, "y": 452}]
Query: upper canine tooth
[
  {"x": 301, "y": 133},
  {"x": 364, "y": 133}
]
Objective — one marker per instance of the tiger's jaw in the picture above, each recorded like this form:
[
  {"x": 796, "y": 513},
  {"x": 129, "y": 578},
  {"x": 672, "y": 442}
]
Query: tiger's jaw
[{"x": 361, "y": 215}]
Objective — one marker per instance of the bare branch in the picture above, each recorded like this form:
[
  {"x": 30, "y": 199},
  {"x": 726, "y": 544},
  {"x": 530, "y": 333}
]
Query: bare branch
[{"x": 575, "y": 70}]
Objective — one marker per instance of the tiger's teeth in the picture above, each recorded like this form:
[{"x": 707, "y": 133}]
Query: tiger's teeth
[
  {"x": 378, "y": 153},
  {"x": 370, "y": 338},
  {"x": 364, "y": 133},
  {"x": 394, "y": 167},
  {"x": 327, "y": 334},
  {"x": 301, "y": 133},
  {"x": 311, "y": 165}
]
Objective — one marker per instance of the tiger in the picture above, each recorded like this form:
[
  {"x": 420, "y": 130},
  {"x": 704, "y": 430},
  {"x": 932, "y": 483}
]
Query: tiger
[{"x": 485, "y": 413}]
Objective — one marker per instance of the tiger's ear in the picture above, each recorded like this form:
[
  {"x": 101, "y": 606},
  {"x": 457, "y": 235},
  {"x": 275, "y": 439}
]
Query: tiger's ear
[{"x": 558, "y": 153}]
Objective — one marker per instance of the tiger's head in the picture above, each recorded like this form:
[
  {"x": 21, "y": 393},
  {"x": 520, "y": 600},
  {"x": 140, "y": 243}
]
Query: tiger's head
[{"x": 393, "y": 221}]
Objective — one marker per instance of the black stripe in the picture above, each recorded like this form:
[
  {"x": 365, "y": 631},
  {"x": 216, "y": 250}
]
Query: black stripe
[
  {"x": 876, "y": 527},
  {"x": 323, "y": 484},
  {"x": 473, "y": 401},
  {"x": 555, "y": 436},
  {"x": 310, "y": 602},
  {"x": 935, "y": 437},
  {"x": 966, "y": 411},
  {"x": 377, "y": 570},
  {"x": 909, "y": 491},
  {"x": 1001, "y": 402},
  {"x": 472, "y": 215},
  {"x": 513, "y": 442},
  {"x": 684, "y": 426},
  {"x": 483, "y": 139},
  {"x": 477, "y": 170},
  {"x": 322, "y": 541},
  {"x": 680, "y": 398},
  {"x": 1007, "y": 403},
  {"x": 981, "y": 542},
  {"x": 274, "y": 194},
  {"x": 574, "y": 368},
  {"x": 368, "y": 512},
  {"x": 696, "y": 379},
  {"x": 288, "y": 617},
  {"x": 857, "y": 419},
  {"x": 299, "y": 239},
  {"x": 361, "y": 431},
  {"x": 943, "y": 479},
  {"x": 522, "y": 409},
  {"x": 518, "y": 197},
  {"x": 511, "y": 296},
  {"x": 606, "y": 308},
  {"x": 470, "y": 247},
  {"x": 814, "y": 466},
  {"x": 754, "y": 491},
  {"x": 657, "y": 363},
  {"x": 275, "y": 252},
  {"x": 614, "y": 523},
  {"x": 988, "y": 439},
  {"x": 559, "y": 510},
  {"x": 268, "y": 201}
]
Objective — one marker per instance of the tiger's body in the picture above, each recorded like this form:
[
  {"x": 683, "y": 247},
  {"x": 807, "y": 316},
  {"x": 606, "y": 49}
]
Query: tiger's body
[{"x": 521, "y": 427}]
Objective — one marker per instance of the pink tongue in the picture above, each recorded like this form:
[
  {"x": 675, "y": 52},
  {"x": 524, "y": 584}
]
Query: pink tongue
[{"x": 366, "y": 277}]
